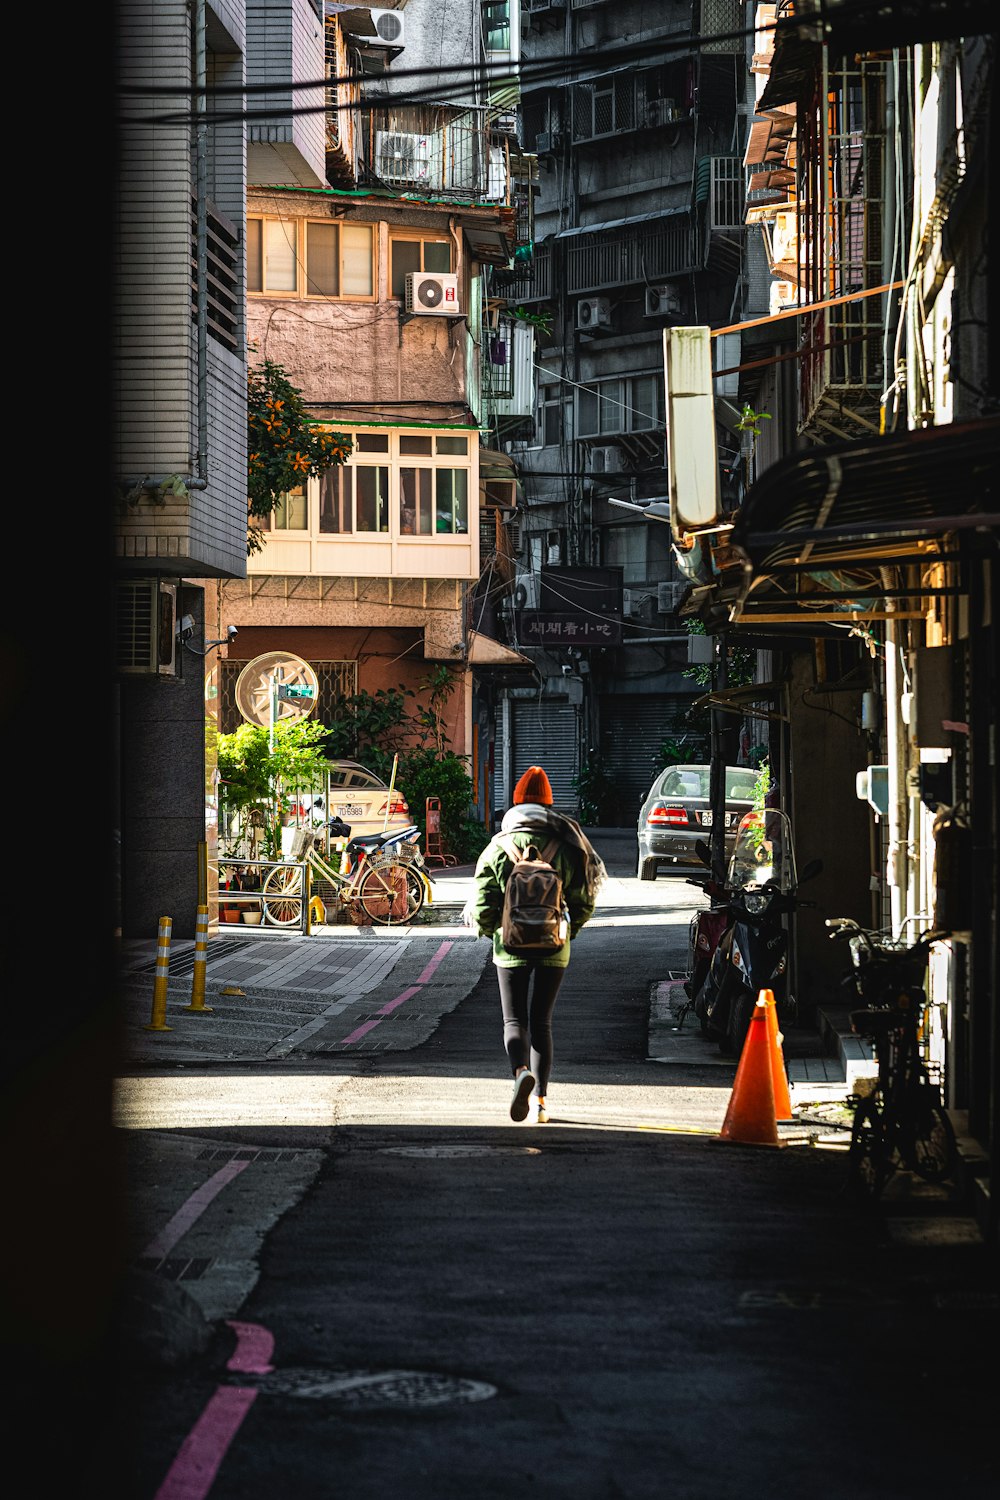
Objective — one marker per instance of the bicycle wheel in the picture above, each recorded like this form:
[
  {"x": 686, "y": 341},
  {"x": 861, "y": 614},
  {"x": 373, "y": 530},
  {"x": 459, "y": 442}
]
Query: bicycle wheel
[
  {"x": 391, "y": 895},
  {"x": 866, "y": 1157},
  {"x": 935, "y": 1149},
  {"x": 282, "y": 892}
]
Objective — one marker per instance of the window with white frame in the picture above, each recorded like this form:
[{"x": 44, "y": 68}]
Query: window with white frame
[
  {"x": 628, "y": 403},
  {"x": 310, "y": 258},
  {"x": 399, "y": 484},
  {"x": 291, "y": 513}
]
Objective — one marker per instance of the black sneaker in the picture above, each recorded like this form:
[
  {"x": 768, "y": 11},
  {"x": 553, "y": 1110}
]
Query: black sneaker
[{"x": 523, "y": 1084}]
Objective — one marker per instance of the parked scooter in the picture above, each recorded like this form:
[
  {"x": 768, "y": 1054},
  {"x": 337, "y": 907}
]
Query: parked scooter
[
  {"x": 707, "y": 925},
  {"x": 752, "y": 953}
]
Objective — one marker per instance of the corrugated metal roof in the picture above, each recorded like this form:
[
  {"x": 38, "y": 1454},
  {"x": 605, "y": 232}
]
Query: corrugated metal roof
[{"x": 659, "y": 213}]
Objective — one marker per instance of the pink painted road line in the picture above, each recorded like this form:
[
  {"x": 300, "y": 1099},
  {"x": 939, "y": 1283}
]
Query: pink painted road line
[
  {"x": 439, "y": 955},
  {"x": 193, "y": 1471},
  {"x": 387, "y": 1009},
  {"x": 254, "y": 1347},
  {"x": 192, "y": 1210}
]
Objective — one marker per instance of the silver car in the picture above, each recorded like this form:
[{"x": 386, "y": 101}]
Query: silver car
[{"x": 676, "y": 813}]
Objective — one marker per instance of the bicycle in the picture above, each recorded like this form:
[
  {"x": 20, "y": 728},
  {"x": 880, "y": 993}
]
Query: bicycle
[
  {"x": 903, "y": 1124},
  {"x": 388, "y": 885}
]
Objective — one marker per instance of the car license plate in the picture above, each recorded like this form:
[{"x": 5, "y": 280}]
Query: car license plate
[
  {"x": 706, "y": 820},
  {"x": 349, "y": 810}
]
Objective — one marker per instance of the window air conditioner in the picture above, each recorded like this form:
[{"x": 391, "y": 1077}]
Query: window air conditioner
[
  {"x": 389, "y": 27},
  {"x": 605, "y": 460},
  {"x": 662, "y": 300},
  {"x": 432, "y": 292},
  {"x": 146, "y": 628},
  {"x": 593, "y": 312},
  {"x": 668, "y": 597},
  {"x": 403, "y": 157},
  {"x": 661, "y": 111},
  {"x": 526, "y": 591}
]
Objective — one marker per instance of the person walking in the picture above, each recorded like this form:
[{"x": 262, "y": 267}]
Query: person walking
[{"x": 529, "y": 982}]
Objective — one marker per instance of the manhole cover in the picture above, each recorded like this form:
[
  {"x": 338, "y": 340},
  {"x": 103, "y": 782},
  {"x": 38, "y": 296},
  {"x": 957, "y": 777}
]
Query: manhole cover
[
  {"x": 377, "y": 1389},
  {"x": 461, "y": 1151}
]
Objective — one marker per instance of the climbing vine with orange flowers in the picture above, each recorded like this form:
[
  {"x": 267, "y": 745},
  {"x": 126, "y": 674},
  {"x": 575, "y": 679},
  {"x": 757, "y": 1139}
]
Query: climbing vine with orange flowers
[{"x": 285, "y": 446}]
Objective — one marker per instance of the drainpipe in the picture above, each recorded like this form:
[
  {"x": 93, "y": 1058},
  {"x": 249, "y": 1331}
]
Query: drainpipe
[
  {"x": 201, "y": 199},
  {"x": 898, "y": 863}
]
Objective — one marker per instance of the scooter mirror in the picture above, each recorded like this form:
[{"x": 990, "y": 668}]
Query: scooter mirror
[
  {"x": 812, "y": 869},
  {"x": 703, "y": 852}
]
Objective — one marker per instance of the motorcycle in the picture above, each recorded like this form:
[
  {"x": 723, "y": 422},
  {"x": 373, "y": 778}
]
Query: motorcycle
[
  {"x": 752, "y": 953},
  {"x": 706, "y": 926}
]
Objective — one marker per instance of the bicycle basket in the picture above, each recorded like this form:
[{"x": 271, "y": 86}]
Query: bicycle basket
[
  {"x": 875, "y": 1023},
  {"x": 301, "y": 843},
  {"x": 408, "y": 850}
]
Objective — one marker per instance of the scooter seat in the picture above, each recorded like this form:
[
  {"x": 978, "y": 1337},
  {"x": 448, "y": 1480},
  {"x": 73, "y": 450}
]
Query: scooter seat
[{"x": 377, "y": 840}]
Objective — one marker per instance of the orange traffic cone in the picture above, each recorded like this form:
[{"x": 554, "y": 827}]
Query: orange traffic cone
[
  {"x": 779, "y": 1078},
  {"x": 750, "y": 1119}
]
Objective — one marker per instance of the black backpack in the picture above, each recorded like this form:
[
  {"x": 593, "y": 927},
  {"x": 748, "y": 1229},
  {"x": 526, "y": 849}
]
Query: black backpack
[{"x": 535, "y": 919}]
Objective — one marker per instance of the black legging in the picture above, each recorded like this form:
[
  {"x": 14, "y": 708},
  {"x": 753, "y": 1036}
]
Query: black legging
[{"x": 527, "y": 1033}]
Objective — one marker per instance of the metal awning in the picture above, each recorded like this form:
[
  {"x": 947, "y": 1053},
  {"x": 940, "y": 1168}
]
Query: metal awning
[
  {"x": 845, "y": 504},
  {"x": 485, "y": 652},
  {"x": 746, "y": 701},
  {"x": 659, "y": 213}
]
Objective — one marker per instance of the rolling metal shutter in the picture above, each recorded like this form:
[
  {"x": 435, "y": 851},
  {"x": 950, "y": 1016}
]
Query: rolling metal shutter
[
  {"x": 632, "y": 730},
  {"x": 546, "y": 734}
]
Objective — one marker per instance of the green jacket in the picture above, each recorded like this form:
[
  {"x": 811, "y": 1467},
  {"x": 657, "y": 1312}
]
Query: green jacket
[{"x": 486, "y": 905}]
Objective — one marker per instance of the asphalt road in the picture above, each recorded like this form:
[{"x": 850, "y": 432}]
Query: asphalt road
[{"x": 346, "y": 1272}]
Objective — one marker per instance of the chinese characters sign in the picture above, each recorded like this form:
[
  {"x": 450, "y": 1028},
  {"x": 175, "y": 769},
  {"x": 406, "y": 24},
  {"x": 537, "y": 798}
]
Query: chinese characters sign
[{"x": 543, "y": 628}]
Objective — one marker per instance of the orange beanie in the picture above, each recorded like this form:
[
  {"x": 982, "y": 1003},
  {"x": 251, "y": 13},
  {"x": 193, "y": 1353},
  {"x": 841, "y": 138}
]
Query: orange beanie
[{"x": 534, "y": 787}]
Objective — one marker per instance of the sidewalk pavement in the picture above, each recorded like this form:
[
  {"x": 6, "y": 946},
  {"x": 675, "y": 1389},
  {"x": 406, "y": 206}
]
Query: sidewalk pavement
[{"x": 269, "y": 993}]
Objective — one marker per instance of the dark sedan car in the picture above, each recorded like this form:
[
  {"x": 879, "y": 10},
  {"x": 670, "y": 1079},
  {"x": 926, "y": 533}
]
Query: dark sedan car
[{"x": 676, "y": 813}]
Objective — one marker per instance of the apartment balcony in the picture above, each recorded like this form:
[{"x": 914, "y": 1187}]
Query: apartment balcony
[
  {"x": 434, "y": 149},
  {"x": 341, "y": 117},
  {"x": 286, "y": 48},
  {"x": 642, "y": 249},
  {"x": 508, "y": 374},
  {"x": 720, "y": 199}
]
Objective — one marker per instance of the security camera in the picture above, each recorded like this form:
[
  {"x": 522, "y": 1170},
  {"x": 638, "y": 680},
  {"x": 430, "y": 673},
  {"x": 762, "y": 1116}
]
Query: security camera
[
  {"x": 231, "y": 631},
  {"x": 567, "y": 670}
]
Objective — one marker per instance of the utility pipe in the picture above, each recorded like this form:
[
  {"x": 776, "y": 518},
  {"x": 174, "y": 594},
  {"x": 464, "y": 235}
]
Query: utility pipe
[{"x": 201, "y": 202}]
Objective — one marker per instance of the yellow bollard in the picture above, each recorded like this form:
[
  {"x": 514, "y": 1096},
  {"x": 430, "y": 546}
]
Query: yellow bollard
[
  {"x": 157, "y": 1021},
  {"x": 200, "y": 963}
]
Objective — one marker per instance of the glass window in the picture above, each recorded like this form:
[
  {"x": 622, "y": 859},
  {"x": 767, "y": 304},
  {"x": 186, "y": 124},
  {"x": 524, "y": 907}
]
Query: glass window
[
  {"x": 255, "y": 255},
  {"x": 643, "y": 403},
  {"x": 587, "y": 408},
  {"x": 356, "y": 254},
  {"x": 415, "y": 255},
  {"x": 372, "y": 498},
  {"x": 322, "y": 260},
  {"x": 416, "y": 509},
  {"x": 336, "y": 487},
  {"x": 372, "y": 442},
  {"x": 291, "y": 511},
  {"x": 611, "y": 409},
  {"x": 412, "y": 444},
  {"x": 280, "y": 265},
  {"x": 453, "y": 445},
  {"x": 452, "y": 500}
]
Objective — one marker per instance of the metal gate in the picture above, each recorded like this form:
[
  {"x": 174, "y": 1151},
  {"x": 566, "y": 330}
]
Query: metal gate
[
  {"x": 632, "y": 730},
  {"x": 545, "y": 732}
]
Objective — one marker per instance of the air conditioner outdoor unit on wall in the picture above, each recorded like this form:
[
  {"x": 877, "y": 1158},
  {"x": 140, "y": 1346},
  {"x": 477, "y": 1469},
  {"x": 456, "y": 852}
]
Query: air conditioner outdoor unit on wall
[
  {"x": 390, "y": 29},
  {"x": 432, "y": 292},
  {"x": 526, "y": 591},
  {"x": 668, "y": 596},
  {"x": 632, "y": 603},
  {"x": 593, "y": 312},
  {"x": 662, "y": 300},
  {"x": 605, "y": 460},
  {"x": 146, "y": 627},
  {"x": 401, "y": 156}
]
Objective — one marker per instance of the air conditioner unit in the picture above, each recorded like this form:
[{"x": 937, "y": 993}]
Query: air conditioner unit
[
  {"x": 547, "y": 141},
  {"x": 526, "y": 591},
  {"x": 662, "y": 300},
  {"x": 401, "y": 156},
  {"x": 593, "y": 312},
  {"x": 432, "y": 292},
  {"x": 668, "y": 596},
  {"x": 661, "y": 111},
  {"x": 146, "y": 627},
  {"x": 605, "y": 460},
  {"x": 389, "y": 28},
  {"x": 632, "y": 602}
]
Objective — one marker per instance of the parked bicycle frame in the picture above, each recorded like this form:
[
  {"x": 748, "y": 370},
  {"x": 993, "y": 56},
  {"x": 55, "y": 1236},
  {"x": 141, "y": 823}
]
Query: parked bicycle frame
[{"x": 903, "y": 1125}]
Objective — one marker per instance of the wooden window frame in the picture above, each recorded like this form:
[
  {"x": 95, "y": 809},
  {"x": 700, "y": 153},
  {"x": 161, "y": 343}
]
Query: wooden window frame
[{"x": 302, "y": 292}]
